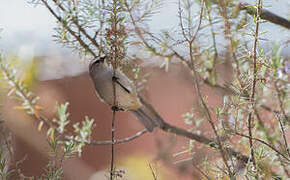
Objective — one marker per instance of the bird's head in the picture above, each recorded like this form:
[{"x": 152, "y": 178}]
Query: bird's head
[{"x": 97, "y": 62}]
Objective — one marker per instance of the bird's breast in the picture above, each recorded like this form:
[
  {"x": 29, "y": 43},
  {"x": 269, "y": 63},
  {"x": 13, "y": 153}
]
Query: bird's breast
[{"x": 124, "y": 100}]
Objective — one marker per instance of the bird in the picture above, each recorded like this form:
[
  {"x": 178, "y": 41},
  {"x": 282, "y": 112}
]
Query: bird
[{"x": 127, "y": 99}]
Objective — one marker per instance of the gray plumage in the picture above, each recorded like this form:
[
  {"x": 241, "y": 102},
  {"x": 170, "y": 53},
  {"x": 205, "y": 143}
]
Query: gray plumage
[{"x": 126, "y": 94}]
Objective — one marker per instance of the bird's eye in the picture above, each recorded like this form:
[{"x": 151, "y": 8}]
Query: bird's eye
[
  {"x": 102, "y": 59},
  {"x": 97, "y": 61}
]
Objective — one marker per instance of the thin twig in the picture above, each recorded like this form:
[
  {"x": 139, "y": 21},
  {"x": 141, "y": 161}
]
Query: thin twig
[
  {"x": 80, "y": 28},
  {"x": 24, "y": 95},
  {"x": 228, "y": 35},
  {"x": 201, "y": 172},
  {"x": 200, "y": 20},
  {"x": 253, "y": 91},
  {"x": 282, "y": 109},
  {"x": 65, "y": 25},
  {"x": 265, "y": 14},
  {"x": 181, "y": 22},
  {"x": 115, "y": 52},
  {"x": 120, "y": 141},
  {"x": 265, "y": 143},
  {"x": 213, "y": 37},
  {"x": 112, "y": 145},
  {"x": 202, "y": 139},
  {"x": 197, "y": 87},
  {"x": 152, "y": 172},
  {"x": 270, "y": 140},
  {"x": 283, "y": 135}
]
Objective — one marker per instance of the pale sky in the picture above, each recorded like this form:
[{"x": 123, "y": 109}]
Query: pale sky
[
  {"x": 24, "y": 27},
  {"x": 29, "y": 29}
]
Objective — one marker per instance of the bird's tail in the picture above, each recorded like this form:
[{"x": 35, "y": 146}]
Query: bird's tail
[{"x": 148, "y": 116}]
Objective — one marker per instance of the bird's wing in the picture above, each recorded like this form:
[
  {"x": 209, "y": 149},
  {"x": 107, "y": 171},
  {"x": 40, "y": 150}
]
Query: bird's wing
[
  {"x": 122, "y": 86},
  {"x": 125, "y": 82}
]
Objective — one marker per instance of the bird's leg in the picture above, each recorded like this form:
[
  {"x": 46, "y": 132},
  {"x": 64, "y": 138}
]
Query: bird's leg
[
  {"x": 115, "y": 79},
  {"x": 116, "y": 108}
]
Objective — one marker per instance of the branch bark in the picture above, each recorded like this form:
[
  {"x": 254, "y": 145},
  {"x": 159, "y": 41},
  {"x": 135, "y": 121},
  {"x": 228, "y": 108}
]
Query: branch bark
[
  {"x": 120, "y": 141},
  {"x": 266, "y": 15}
]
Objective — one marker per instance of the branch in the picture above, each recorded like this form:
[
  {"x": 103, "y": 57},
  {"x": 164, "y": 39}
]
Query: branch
[
  {"x": 253, "y": 90},
  {"x": 120, "y": 141},
  {"x": 265, "y": 143},
  {"x": 178, "y": 131},
  {"x": 282, "y": 109},
  {"x": 266, "y": 15},
  {"x": 270, "y": 139},
  {"x": 81, "y": 29},
  {"x": 229, "y": 36},
  {"x": 213, "y": 37},
  {"x": 202, "y": 139},
  {"x": 283, "y": 135},
  {"x": 64, "y": 24},
  {"x": 197, "y": 88}
]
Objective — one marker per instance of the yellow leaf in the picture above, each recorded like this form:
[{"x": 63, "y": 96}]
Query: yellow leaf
[
  {"x": 139, "y": 168},
  {"x": 31, "y": 69},
  {"x": 40, "y": 126},
  {"x": 36, "y": 115},
  {"x": 37, "y": 107},
  {"x": 19, "y": 107},
  {"x": 52, "y": 135}
]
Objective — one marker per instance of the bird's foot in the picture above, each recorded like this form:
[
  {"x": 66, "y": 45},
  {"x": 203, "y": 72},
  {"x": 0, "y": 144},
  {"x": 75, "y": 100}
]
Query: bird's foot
[
  {"x": 115, "y": 79},
  {"x": 116, "y": 108}
]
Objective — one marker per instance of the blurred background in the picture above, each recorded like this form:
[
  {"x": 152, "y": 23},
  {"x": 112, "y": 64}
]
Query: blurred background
[{"x": 56, "y": 74}]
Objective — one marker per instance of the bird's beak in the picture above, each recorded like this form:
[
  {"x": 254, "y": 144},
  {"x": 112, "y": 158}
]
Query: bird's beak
[{"x": 100, "y": 60}]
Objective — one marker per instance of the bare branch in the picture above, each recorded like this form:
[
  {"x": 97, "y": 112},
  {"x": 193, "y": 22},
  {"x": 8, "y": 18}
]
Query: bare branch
[
  {"x": 253, "y": 91},
  {"x": 266, "y": 15},
  {"x": 202, "y": 139},
  {"x": 120, "y": 141},
  {"x": 152, "y": 172},
  {"x": 265, "y": 143},
  {"x": 80, "y": 28},
  {"x": 74, "y": 34},
  {"x": 283, "y": 135}
]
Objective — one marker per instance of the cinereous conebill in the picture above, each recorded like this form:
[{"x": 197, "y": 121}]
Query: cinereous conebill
[{"x": 127, "y": 98}]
